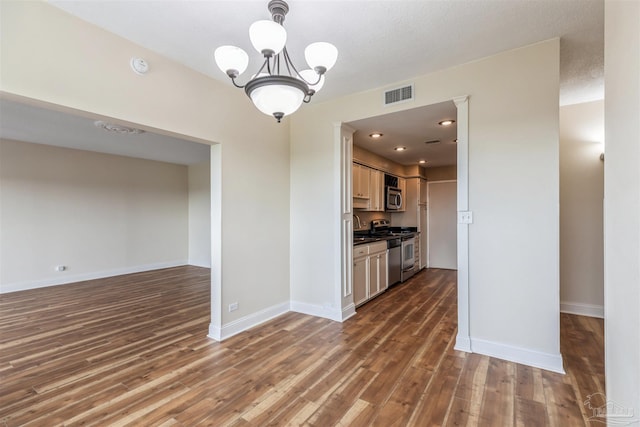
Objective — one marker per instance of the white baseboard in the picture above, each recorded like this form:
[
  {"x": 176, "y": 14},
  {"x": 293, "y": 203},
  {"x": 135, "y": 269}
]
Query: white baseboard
[
  {"x": 242, "y": 324},
  {"x": 463, "y": 343},
  {"x": 214, "y": 332},
  {"x": 197, "y": 263},
  {"x": 318, "y": 311},
  {"x": 581, "y": 309},
  {"x": 524, "y": 356},
  {"x": 348, "y": 311},
  {"x": 64, "y": 278}
]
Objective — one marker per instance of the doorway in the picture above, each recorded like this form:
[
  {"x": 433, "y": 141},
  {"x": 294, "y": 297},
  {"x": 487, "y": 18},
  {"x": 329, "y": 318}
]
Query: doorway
[
  {"x": 344, "y": 140},
  {"x": 442, "y": 245}
]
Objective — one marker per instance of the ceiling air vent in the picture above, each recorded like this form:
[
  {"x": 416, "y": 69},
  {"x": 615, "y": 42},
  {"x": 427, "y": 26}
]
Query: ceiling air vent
[
  {"x": 401, "y": 94},
  {"x": 433, "y": 141}
]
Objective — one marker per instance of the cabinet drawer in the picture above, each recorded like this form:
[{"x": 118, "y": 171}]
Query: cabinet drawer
[
  {"x": 360, "y": 251},
  {"x": 378, "y": 247}
]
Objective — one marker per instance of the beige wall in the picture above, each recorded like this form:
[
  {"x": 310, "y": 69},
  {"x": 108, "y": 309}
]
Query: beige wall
[
  {"x": 581, "y": 204},
  {"x": 622, "y": 204},
  {"x": 373, "y": 160},
  {"x": 97, "y": 214},
  {"x": 53, "y": 59},
  {"x": 376, "y": 161},
  {"x": 200, "y": 214},
  {"x": 513, "y": 193},
  {"x": 442, "y": 173}
]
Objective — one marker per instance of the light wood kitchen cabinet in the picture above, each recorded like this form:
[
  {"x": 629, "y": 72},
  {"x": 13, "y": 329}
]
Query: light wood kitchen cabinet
[
  {"x": 402, "y": 185},
  {"x": 376, "y": 191},
  {"x": 422, "y": 200},
  {"x": 370, "y": 271},
  {"x": 378, "y": 273},
  {"x": 360, "y": 273},
  {"x": 361, "y": 181}
]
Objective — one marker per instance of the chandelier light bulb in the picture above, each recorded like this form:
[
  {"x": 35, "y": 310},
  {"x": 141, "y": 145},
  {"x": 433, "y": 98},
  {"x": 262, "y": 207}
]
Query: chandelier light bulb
[
  {"x": 311, "y": 77},
  {"x": 267, "y": 37},
  {"x": 321, "y": 56},
  {"x": 231, "y": 60}
]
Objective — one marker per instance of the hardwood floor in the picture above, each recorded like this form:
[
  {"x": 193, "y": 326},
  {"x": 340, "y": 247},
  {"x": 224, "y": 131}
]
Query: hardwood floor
[{"x": 132, "y": 350}]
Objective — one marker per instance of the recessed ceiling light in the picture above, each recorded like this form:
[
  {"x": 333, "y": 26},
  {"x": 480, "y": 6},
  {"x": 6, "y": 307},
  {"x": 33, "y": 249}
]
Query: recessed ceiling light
[
  {"x": 446, "y": 122},
  {"x": 400, "y": 148},
  {"x": 375, "y": 135},
  {"x": 422, "y": 162}
]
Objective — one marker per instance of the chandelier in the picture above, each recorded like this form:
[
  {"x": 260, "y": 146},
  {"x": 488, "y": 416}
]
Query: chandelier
[{"x": 277, "y": 88}]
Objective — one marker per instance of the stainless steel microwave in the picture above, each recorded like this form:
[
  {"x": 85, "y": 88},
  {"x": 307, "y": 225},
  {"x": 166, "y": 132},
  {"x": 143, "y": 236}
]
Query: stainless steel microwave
[{"x": 393, "y": 199}]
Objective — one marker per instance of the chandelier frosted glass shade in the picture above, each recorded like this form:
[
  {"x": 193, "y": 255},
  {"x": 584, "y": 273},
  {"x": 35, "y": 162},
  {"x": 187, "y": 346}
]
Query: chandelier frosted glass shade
[
  {"x": 321, "y": 55},
  {"x": 277, "y": 88},
  {"x": 276, "y": 96},
  {"x": 231, "y": 60},
  {"x": 267, "y": 37},
  {"x": 311, "y": 77}
]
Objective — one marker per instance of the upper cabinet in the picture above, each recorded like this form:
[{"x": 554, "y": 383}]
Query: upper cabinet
[
  {"x": 368, "y": 188},
  {"x": 361, "y": 178},
  {"x": 376, "y": 199},
  {"x": 422, "y": 200},
  {"x": 402, "y": 185}
]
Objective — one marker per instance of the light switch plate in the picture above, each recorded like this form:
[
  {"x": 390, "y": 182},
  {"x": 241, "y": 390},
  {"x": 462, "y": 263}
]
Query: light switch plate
[{"x": 465, "y": 217}]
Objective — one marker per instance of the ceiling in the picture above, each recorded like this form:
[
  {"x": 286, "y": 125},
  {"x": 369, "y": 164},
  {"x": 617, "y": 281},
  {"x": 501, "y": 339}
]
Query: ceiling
[
  {"x": 22, "y": 122},
  {"x": 379, "y": 42},
  {"x": 417, "y": 130}
]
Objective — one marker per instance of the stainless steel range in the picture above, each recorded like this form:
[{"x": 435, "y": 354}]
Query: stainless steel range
[{"x": 401, "y": 245}]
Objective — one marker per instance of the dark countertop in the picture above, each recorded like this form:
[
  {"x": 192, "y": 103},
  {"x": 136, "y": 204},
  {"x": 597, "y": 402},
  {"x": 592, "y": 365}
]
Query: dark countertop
[{"x": 361, "y": 240}]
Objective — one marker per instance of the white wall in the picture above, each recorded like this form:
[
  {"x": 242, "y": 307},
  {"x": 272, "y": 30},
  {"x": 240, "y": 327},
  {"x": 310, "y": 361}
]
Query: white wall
[
  {"x": 581, "y": 204},
  {"x": 200, "y": 214},
  {"x": 622, "y": 203},
  {"x": 513, "y": 192},
  {"x": 97, "y": 214},
  {"x": 54, "y": 59}
]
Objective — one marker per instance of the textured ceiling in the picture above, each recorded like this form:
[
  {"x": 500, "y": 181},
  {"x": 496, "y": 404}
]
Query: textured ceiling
[
  {"x": 380, "y": 42},
  {"x": 411, "y": 129}
]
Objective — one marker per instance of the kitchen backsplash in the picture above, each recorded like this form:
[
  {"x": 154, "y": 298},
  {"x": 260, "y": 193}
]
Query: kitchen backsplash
[{"x": 367, "y": 217}]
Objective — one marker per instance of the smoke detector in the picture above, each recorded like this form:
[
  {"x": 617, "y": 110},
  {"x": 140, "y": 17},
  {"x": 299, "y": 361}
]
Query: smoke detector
[
  {"x": 139, "y": 65},
  {"x": 112, "y": 127}
]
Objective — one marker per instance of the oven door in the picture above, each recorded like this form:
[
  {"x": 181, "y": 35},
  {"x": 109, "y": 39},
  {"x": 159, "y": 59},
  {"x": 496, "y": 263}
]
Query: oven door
[{"x": 408, "y": 254}]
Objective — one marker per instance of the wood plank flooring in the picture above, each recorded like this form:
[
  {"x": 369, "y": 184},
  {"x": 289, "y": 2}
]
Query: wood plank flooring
[{"x": 132, "y": 350}]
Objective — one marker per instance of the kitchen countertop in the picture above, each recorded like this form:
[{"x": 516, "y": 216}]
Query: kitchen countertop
[{"x": 361, "y": 240}]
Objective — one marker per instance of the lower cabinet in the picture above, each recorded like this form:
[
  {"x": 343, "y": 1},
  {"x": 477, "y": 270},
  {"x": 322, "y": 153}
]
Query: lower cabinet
[
  {"x": 370, "y": 271},
  {"x": 360, "y": 276}
]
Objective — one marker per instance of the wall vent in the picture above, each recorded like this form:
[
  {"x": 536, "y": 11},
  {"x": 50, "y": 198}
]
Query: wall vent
[{"x": 401, "y": 94}]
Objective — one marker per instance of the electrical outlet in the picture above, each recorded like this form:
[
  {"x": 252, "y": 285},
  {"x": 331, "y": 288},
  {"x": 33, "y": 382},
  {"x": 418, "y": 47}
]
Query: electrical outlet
[{"x": 233, "y": 306}]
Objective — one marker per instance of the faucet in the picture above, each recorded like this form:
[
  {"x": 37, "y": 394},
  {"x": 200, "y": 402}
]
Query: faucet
[{"x": 357, "y": 218}]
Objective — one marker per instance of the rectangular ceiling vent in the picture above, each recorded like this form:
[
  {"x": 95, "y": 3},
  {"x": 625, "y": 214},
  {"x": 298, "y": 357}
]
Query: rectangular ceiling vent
[{"x": 401, "y": 94}]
